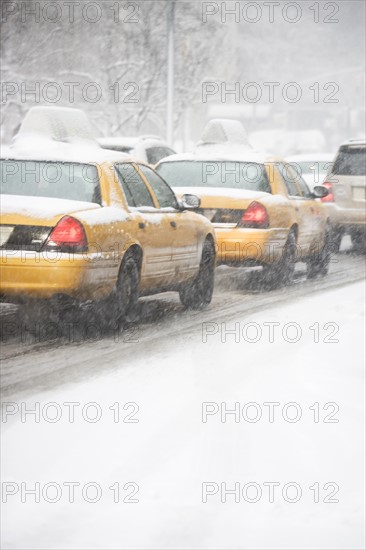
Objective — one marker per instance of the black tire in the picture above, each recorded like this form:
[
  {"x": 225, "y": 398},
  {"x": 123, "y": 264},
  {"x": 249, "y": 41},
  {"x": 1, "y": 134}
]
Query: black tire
[
  {"x": 127, "y": 293},
  {"x": 336, "y": 240},
  {"x": 319, "y": 263},
  {"x": 198, "y": 294},
  {"x": 358, "y": 239},
  {"x": 282, "y": 272}
]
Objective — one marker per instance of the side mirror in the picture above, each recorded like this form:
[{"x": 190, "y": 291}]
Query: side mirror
[
  {"x": 319, "y": 192},
  {"x": 190, "y": 202}
]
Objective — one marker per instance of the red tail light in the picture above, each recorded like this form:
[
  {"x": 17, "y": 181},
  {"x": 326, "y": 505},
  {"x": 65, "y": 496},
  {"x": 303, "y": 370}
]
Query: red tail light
[
  {"x": 67, "y": 236},
  {"x": 255, "y": 216},
  {"x": 330, "y": 196}
]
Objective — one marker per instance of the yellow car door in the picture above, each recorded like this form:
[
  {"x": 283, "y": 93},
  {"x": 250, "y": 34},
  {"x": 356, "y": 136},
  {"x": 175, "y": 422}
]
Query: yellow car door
[
  {"x": 150, "y": 227},
  {"x": 181, "y": 225},
  {"x": 316, "y": 213},
  {"x": 303, "y": 209}
]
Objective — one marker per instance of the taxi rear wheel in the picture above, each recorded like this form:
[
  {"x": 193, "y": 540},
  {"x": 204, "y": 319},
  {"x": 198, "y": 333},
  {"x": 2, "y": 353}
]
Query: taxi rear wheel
[
  {"x": 319, "y": 263},
  {"x": 127, "y": 294},
  {"x": 336, "y": 239},
  {"x": 358, "y": 238},
  {"x": 282, "y": 272},
  {"x": 198, "y": 294}
]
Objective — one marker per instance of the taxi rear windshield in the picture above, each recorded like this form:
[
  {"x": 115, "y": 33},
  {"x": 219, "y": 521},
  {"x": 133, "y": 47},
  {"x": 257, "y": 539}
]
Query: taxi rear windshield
[
  {"x": 351, "y": 161},
  {"x": 231, "y": 175},
  {"x": 59, "y": 180}
]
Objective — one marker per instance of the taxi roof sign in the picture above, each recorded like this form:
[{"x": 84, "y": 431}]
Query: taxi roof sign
[
  {"x": 221, "y": 130},
  {"x": 61, "y": 124}
]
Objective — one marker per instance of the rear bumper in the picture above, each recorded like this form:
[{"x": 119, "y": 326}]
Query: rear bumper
[
  {"x": 37, "y": 275},
  {"x": 240, "y": 246},
  {"x": 346, "y": 218}
]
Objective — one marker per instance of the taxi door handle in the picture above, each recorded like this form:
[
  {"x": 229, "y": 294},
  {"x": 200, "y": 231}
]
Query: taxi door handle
[
  {"x": 142, "y": 225},
  {"x": 173, "y": 224}
]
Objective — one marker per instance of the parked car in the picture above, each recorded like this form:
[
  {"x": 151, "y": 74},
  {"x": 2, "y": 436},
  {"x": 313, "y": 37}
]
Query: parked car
[
  {"x": 312, "y": 167},
  {"x": 263, "y": 213},
  {"x": 148, "y": 149},
  {"x": 82, "y": 223},
  {"x": 346, "y": 200}
]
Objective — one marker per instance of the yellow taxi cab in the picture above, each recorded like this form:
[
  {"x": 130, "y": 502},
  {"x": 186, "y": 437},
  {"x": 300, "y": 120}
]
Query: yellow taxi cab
[
  {"x": 263, "y": 212},
  {"x": 80, "y": 223}
]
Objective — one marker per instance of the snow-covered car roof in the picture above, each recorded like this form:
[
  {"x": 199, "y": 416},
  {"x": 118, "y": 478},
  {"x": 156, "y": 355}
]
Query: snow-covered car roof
[
  {"x": 357, "y": 141},
  {"x": 311, "y": 157},
  {"x": 46, "y": 150},
  {"x": 115, "y": 142},
  {"x": 130, "y": 141},
  {"x": 227, "y": 152}
]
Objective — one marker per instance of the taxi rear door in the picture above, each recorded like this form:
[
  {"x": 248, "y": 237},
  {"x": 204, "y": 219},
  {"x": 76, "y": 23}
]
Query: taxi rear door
[
  {"x": 307, "y": 212},
  {"x": 150, "y": 227},
  {"x": 182, "y": 226}
]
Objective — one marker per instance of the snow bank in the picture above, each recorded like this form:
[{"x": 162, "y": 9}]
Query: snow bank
[{"x": 170, "y": 452}]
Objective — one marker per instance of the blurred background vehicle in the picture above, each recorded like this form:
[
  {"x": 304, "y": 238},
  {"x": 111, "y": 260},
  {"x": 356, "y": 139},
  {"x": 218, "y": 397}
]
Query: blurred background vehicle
[
  {"x": 285, "y": 142},
  {"x": 312, "y": 167},
  {"x": 346, "y": 201},
  {"x": 149, "y": 149}
]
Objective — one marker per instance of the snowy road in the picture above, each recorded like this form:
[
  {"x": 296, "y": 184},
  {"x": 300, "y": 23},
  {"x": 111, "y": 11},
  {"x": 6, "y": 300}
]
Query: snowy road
[
  {"x": 36, "y": 359},
  {"x": 238, "y": 427},
  {"x": 140, "y": 438}
]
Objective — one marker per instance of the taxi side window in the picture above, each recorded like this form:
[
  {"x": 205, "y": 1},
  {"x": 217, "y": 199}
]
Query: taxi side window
[
  {"x": 135, "y": 190},
  {"x": 290, "y": 179},
  {"x": 163, "y": 192}
]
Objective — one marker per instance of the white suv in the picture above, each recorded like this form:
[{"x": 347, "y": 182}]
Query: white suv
[
  {"x": 346, "y": 201},
  {"x": 149, "y": 149}
]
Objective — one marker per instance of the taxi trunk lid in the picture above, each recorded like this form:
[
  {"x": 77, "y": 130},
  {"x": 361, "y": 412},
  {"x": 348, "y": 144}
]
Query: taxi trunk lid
[
  {"x": 222, "y": 206},
  {"x": 26, "y": 222}
]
